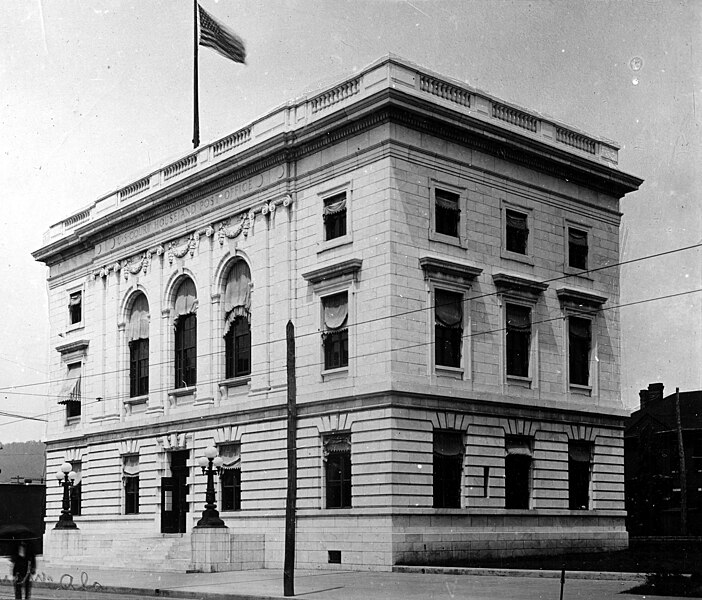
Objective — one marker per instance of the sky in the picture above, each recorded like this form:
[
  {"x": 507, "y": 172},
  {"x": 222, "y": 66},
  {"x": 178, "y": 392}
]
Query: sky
[{"x": 94, "y": 93}]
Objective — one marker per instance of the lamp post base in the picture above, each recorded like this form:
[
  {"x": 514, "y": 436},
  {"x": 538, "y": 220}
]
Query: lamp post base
[
  {"x": 210, "y": 518},
  {"x": 65, "y": 523}
]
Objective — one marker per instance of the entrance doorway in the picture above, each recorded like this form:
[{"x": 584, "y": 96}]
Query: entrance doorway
[{"x": 174, "y": 490}]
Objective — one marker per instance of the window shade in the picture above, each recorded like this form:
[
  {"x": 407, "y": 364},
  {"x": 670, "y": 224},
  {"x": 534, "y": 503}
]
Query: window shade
[
  {"x": 186, "y": 299},
  {"x": 516, "y": 220},
  {"x": 337, "y": 444},
  {"x": 138, "y": 325},
  {"x": 446, "y": 200},
  {"x": 448, "y": 443},
  {"x": 334, "y": 205},
  {"x": 448, "y": 309},
  {"x": 231, "y": 455},
  {"x": 336, "y": 310},
  {"x": 579, "y": 328},
  {"x": 70, "y": 390},
  {"x": 518, "y": 318},
  {"x": 518, "y": 446},
  {"x": 237, "y": 294},
  {"x": 130, "y": 467},
  {"x": 579, "y": 452}
]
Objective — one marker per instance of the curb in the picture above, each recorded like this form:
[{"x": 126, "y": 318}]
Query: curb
[
  {"x": 550, "y": 574},
  {"x": 148, "y": 592}
]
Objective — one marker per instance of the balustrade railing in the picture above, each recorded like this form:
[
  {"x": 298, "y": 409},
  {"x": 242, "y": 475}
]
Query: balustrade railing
[
  {"x": 444, "y": 90},
  {"x": 514, "y": 116},
  {"x": 335, "y": 95},
  {"x": 576, "y": 140},
  {"x": 232, "y": 141}
]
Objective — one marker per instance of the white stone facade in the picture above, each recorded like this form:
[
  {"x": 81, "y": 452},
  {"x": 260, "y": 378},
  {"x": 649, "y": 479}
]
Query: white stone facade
[{"x": 388, "y": 139}]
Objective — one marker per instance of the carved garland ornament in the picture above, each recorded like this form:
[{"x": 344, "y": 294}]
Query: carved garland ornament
[{"x": 173, "y": 250}]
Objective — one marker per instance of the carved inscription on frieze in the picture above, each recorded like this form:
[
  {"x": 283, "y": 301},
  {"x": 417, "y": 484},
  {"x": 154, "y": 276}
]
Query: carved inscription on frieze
[{"x": 177, "y": 216}]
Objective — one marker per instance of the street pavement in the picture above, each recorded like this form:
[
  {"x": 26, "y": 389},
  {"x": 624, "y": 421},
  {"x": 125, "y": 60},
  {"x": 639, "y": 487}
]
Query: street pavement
[{"x": 411, "y": 584}]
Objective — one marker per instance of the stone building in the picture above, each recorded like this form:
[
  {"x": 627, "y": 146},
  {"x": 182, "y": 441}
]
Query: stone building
[{"x": 449, "y": 261}]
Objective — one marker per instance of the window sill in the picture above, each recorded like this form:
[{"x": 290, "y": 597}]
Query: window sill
[
  {"x": 444, "y": 238},
  {"x": 75, "y": 326},
  {"x": 184, "y": 391},
  {"x": 451, "y": 372},
  {"x": 515, "y": 256},
  {"x": 581, "y": 273},
  {"x": 335, "y": 373},
  {"x": 518, "y": 381},
  {"x": 233, "y": 382},
  {"x": 334, "y": 243},
  {"x": 137, "y": 400},
  {"x": 70, "y": 421},
  {"x": 583, "y": 390}
]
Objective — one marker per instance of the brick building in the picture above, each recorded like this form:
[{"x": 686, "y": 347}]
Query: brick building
[
  {"x": 458, "y": 384},
  {"x": 652, "y": 464}
]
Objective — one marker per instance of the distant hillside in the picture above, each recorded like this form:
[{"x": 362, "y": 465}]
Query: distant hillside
[{"x": 24, "y": 459}]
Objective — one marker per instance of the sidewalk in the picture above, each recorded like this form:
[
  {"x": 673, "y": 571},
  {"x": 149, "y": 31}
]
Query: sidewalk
[{"x": 420, "y": 583}]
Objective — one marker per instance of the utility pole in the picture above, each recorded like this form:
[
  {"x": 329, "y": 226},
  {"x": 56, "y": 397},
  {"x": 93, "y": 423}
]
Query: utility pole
[
  {"x": 289, "y": 564},
  {"x": 683, "y": 472}
]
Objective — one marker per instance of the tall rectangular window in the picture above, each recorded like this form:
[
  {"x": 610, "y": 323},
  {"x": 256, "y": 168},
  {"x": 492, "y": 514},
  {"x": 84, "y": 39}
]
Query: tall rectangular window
[
  {"x": 130, "y": 478},
  {"x": 138, "y": 338},
  {"x": 76, "y": 490},
  {"x": 447, "y": 212},
  {"x": 579, "y": 346},
  {"x": 335, "y": 337},
  {"x": 516, "y": 232},
  {"x": 138, "y": 368},
  {"x": 448, "y": 468},
  {"x": 75, "y": 308},
  {"x": 185, "y": 351},
  {"x": 237, "y": 343},
  {"x": 334, "y": 215},
  {"x": 517, "y": 472},
  {"x": 70, "y": 394},
  {"x": 337, "y": 470},
  {"x": 237, "y": 321},
  {"x": 577, "y": 248},
  {"x": 518, "y": 340},
  {"x": 230, "y": 476},
  {"x": 579, "y": 469},
  {"x": 448, "y": 328}
]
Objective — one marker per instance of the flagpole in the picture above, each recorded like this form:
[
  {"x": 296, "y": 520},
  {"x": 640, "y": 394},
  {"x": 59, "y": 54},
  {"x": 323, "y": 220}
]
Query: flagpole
[{"x": 196, "y": 108}]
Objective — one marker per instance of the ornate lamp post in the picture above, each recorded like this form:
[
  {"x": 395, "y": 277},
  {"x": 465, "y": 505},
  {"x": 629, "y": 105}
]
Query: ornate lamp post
[
  {"x": 210, "y": 463},
  {"x": 66, "y": 476}
]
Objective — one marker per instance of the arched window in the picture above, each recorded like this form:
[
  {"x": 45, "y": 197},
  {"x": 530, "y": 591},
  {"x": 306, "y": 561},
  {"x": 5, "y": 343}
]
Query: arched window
[
  {"x": 138, "y": 339},
  {"x": 185, "y": 335},
  {"x": 237, "y": 321}
]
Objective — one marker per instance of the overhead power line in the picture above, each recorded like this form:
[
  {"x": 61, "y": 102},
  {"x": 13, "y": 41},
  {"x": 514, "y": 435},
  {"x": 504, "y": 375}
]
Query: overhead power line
[
  {"x": 406, "y": 347},
  {"x": 11, "y": 389}
]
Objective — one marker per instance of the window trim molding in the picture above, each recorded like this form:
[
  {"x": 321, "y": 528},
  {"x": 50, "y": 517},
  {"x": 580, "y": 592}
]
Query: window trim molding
[
  {"x": 462, "y": 500},
  {"x": 532, "y": 379},
  {"x": 344, "y": 269},
  {"x": 324, "y": 244},
  {"x": 323, "y": 488},
  {"x": 527, "y": 258},
  {"x": 72, "y": 290},
  {"x": 573, "y": 298},
  {"x": 434, "y": 235},
  {"x": 583, "y": 304},
  {"x": 522, "y": 291},
  {"x": 336, "y": 371},
  {"x": 567, "y": 269},
  {"x": 455, "y": 277}
]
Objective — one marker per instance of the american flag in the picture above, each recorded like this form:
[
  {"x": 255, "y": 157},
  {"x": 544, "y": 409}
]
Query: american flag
[{"x": 218, "y": 37}]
